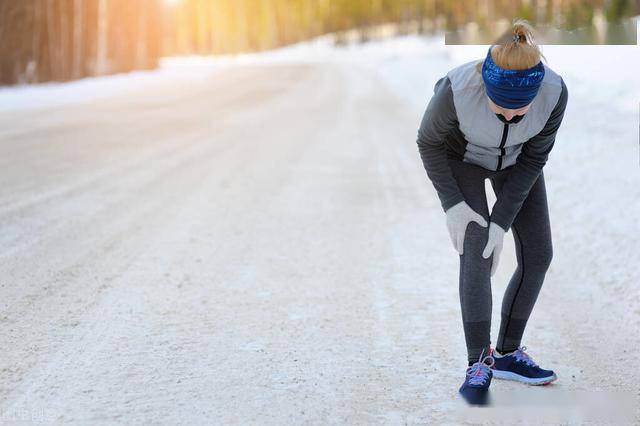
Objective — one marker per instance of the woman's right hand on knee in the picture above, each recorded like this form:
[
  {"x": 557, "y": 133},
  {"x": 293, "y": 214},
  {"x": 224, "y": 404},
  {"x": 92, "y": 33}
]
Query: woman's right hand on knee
[{"x": 458, "y": 217}]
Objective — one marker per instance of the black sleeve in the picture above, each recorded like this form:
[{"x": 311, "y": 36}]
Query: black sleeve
[
  {"x": 439, "y": 118},
  {"x": 528, "y": 167}
]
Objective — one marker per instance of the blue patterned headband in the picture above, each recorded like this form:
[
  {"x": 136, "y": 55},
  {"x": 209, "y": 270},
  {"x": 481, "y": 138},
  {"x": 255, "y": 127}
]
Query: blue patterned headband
[{"x": 511, "y": 89}]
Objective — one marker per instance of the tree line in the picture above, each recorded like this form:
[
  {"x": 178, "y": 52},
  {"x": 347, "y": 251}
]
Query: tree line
[{"x": 44, "y": 40}]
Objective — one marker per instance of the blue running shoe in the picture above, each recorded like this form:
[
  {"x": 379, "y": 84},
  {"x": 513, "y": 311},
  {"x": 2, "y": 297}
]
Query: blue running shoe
[
  {"x": 519, "y": 366},
  {"x": 478, "y": 378}
]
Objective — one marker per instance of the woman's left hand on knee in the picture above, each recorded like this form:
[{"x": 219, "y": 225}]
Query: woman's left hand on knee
[{"x": 494, "y": 245}]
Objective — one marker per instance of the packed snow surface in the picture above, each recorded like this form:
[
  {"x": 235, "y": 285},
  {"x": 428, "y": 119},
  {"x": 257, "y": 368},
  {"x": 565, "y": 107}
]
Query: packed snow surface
[{"x": 253, "y": 239}]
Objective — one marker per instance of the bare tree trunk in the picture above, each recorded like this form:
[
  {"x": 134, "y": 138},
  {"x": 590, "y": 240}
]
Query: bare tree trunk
[
  {"x": 63, "y": 29},
  {"x": 241, "y": 22},
  {"x": 35, "y": 42},
  {"x": 51, "y": 39},
  {"x": 77, "y": 39},
  {"x": 141, "y": 50},
  {"x": 4, "y": 13},
  {"x": 216, "y": 27},
  {"x": 101, "y": 62},
  {"x": 214, "y": 30},
  {"x": 201, "y": 30}
]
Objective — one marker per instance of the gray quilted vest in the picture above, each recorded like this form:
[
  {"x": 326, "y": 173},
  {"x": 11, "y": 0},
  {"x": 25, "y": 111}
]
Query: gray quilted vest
[{"x": 491, "y": 143}]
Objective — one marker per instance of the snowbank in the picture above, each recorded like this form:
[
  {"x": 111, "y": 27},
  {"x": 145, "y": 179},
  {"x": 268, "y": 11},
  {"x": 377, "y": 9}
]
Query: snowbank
[{"x": 409, "y": 63}]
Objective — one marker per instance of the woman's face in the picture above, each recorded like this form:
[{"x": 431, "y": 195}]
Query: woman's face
[{"x": 507, "y": 113}]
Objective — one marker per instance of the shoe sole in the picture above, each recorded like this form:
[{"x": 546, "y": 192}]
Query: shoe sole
[{"x": 508, "y": 375}]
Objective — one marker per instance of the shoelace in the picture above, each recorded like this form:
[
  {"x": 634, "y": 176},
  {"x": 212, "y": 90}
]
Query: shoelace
[
  {"x": 521, "y": 355},
  {"x": 479, "y": 371}
]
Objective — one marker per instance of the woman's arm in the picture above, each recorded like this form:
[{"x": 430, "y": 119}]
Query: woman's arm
[
  {"x": 528, "y": 167},
  {"x": 439, "y": 118}
]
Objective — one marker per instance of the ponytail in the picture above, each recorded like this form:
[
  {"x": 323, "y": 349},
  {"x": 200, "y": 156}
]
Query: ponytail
[{"x": 516, "y": 49}]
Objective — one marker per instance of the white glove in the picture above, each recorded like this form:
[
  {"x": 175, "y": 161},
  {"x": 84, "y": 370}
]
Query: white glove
[
  {"x": 494, "y": 245},
  {"x": 458, "y": 217}
]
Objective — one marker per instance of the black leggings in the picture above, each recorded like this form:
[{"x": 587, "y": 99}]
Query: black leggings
[{"x": 532, "y": 235}]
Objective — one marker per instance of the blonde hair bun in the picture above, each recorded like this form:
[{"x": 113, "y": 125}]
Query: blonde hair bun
[{"x": 516, "y": 49}]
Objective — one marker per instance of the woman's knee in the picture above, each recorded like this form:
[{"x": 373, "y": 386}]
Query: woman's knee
[
  {"x": 475, "y": 239},
  {"x": 534, "y": 246},
  {"x": 536, "y": 257}
]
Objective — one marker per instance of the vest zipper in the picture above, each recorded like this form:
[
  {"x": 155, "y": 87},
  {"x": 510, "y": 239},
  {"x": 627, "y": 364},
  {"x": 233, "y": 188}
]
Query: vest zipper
[{"x": 505, "y": 133}]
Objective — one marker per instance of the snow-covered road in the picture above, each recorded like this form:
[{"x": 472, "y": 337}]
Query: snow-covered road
[{"x": 260, "y": 244}]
